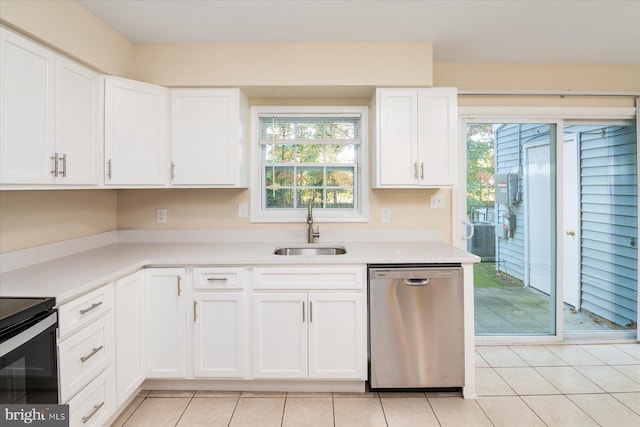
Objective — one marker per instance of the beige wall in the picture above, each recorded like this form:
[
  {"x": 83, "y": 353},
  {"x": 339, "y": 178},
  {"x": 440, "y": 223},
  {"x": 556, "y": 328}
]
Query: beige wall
[
  {"x": 597, "y": 77},
  {"x": 73, "y": 30},
  {"x": 285, "y": 64},
  {"x": 201, "y": 209},
  {"x": 32, "y": 218}
]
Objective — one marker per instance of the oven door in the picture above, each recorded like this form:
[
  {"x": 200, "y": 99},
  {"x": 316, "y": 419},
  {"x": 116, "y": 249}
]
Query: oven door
[{"x": 28, "y": 364}]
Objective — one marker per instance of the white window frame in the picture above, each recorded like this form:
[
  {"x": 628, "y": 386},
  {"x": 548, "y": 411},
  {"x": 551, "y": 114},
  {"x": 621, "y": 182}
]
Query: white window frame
[{"x": 361, "y": 187}]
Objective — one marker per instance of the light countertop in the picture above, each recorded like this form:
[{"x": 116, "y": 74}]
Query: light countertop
[{"x": 70, "y": 276}]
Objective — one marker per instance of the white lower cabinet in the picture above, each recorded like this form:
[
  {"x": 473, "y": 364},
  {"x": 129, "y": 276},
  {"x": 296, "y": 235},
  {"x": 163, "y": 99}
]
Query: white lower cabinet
[
  {"x": 280, "y": 335},
  {"x": 219, "y": 335},
  {"x": 314, "y": 333},
  {"x": 220, "y": 323},
  {"x": 95, "y": 403},
  {"x": 336, "y": 337},
  {"x": 130, "y": 335},
  {"x": 165, "y": 319},
  {"x": 86, "y": 357}
]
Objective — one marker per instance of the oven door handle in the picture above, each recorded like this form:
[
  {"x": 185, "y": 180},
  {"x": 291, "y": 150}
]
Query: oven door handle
[{"x": 23, "y": 337}]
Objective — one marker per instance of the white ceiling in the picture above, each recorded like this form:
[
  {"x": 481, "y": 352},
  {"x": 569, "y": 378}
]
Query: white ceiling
[{"x": 518, "y": 31}]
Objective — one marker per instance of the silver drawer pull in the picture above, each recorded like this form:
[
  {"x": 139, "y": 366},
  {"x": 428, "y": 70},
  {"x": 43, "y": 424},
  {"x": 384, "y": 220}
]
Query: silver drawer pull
[
  {"x": 217, "y": 279},
  {"x": 94, "y": 305},
  {"x": 90, "y": 355},
  {"x": 96, "y": 408}
]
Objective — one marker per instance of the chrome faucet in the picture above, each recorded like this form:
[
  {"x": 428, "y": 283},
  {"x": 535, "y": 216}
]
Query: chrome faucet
[{"x": 311, "y": 233}]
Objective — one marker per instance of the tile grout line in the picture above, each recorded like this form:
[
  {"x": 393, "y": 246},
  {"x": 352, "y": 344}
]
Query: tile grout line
[
  {"x": 234, "y": 409},
  {"x": 185, "y": 408}
]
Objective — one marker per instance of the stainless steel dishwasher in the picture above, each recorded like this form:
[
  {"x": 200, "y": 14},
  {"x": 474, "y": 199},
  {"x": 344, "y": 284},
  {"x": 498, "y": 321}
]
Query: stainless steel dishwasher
[{"x": 416, "y": 332}]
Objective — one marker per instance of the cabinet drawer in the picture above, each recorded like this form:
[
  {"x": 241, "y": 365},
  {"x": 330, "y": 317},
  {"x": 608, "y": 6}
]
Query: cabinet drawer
[
  {"x": 84, "y": 355},
  {"x": 219, "y": 278},
  {"x": 84, "y": 310},
  {"x": 309, "y": 278},
  {"x": 95, "y": 403}
]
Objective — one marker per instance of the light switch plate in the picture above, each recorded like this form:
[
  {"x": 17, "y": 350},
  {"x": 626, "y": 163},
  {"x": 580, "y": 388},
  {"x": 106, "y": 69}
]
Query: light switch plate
[
  {"x": 385, "y": 216},
  {"x": 436, "y": 201},
  {"x": 161, "y": 215},
  {"x": 243, "y": 210}
]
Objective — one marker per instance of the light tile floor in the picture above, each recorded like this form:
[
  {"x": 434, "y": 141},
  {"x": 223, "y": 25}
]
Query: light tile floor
[{"x": 555, "y": 385}]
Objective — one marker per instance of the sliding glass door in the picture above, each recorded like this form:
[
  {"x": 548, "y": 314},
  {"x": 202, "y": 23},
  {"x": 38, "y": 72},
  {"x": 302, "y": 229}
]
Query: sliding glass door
[
  {"x": 511, "y": 185},
  {"x": 554, "y": 209}
]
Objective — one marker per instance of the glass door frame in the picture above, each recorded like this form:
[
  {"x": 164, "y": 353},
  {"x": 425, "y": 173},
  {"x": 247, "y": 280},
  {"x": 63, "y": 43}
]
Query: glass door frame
[{"x": 461, "y": 230}]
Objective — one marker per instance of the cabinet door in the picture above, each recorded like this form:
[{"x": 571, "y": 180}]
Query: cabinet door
[
  {"x": 27, "y": 78},
  {"x": 165, "y": 322},
  {"x": 336, "y": 336},
  {"x": 397, "y": 139},
  {"x": 204, "y": 136},
  {"x": 130, "y": 335},
  {"x": 437, "y": 121},
  {"x": 76, "y": 123},
  {"x": 280, "y": 335},
  {"x": 135, "y": 132},
  {"x": 220, "y": 334}
]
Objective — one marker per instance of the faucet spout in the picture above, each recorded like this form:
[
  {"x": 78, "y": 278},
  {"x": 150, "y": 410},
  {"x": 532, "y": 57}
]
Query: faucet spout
[{"x": 311, "y": 233}]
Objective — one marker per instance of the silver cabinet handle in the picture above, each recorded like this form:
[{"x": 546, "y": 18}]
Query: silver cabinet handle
[
  {"x": 63, "y": 159},
  {"x": 54, "y": 159},
  {"x": 303, "y": 317},
  {"x": 173, "y": 170},
  {"x": 109, "y": 168},
  {"x": 96, "y": 408},
  {"x": 217, "y": 279},
  {"x": 310, "y": 311},
  {"x": 90, "y": 355},
  {"x": 195, "y": 310},
  {"x": 179, "y": 287},
  {"x": 415, "y": 170},
  {"x": 421, "y": 170},
  {"x": 94, "y": 305}
]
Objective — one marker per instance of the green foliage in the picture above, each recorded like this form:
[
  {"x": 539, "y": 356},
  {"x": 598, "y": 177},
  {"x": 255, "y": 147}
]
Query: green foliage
[{"x": 480, "y": 165}]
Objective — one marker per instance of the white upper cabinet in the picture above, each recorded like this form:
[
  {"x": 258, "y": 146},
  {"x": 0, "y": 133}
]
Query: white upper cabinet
[
  {"x": 208, "y": 138},
  {"x": 48, "y": 116},
  {"x": 415, "y": 137},
  {"x": 28, "y": 81},
  {"x": 77, "y": 139},
  {"x": 135, "y": 134}
]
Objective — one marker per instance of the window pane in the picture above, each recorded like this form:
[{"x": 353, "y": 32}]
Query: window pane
[
  {"x": 279, "y": 176},
  {"x": 304, "y": 195},
  {"x": 280, "y": 198},
  {"x": 339, "y": 177},
  {"x": 309, "y": 177},
  {"x": 280, "y": 153},
  {"x": 340, "y": 198},
  {"x": 312, "y": 153},
  {"x": 336, "y": 153}
]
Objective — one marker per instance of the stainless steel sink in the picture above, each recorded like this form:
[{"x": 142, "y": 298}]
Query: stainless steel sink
[{"x": 311, "y": 250}]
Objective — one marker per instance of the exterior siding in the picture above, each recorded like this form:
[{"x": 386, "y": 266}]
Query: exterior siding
[{"x": 609, "y": 222}]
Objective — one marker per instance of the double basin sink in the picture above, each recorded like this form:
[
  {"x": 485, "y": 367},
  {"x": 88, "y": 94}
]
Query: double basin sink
[{"x": 310, "y": 250}]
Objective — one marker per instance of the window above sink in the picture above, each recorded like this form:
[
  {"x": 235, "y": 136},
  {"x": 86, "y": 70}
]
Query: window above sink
[{"x": 309, "y": 153}]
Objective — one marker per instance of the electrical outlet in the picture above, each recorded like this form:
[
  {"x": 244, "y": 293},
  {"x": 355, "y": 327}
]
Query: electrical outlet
[
  {"x": 243, "y": 210},
  {"x": 386, "y": 216},
  {"x": 161, "y": 215},
  {"x": 436, "y": 201}
]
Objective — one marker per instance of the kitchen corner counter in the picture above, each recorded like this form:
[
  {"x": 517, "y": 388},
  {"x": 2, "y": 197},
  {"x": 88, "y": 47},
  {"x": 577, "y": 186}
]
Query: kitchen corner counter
[{"x": 70, "y": 276}]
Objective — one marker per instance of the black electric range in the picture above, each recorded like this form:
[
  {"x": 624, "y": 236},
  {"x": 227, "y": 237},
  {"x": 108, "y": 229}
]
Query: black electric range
[
  {"x": 28, "y": 356},
  {"x": 17, "y": 311}
]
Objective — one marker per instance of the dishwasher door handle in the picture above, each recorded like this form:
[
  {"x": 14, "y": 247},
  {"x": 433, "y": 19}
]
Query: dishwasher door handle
[{"x": 416, "y": 282}]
